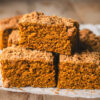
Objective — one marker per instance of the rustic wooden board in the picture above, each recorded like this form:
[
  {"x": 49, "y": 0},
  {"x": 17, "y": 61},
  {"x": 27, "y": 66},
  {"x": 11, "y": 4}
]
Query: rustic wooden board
[
  {"x": 54, "y": 7},
  {"x": 8, "y": 9},
  {"x": 85, "y": 11},
  {"x": 6, "y": 95}
]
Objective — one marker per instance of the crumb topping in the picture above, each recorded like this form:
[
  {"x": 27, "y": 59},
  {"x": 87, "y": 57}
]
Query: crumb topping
[
  {"x": 18, "y": 53},
  {"x": 13, "y": 38},
  {"x": 84, "y": 57},
  {"x": 89, "y": 40},
  {"x": 39, "y": 17},
  {"x": 9, "y": 22}
]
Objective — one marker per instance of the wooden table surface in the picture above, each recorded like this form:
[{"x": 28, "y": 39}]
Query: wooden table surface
[
  {"x": 7, "y": 95},
  {"x": 85, "y": 11}
]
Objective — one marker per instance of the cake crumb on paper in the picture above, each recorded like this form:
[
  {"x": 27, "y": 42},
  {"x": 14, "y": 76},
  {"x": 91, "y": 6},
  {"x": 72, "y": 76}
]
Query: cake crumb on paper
[
  {"x": 57, "y": 89},
  {"x": 56, "y": 92},
  {"x": 20, "y": 88}
]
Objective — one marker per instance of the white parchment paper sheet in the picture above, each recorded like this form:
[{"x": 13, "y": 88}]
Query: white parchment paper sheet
[{"x": 62, "y": 92}]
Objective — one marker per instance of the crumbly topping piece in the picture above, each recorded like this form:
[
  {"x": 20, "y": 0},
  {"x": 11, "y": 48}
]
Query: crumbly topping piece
[
  {"x": 13, "y": 38},
  {"x": 89, "y": 40},
  {"x": 84, "y": 57},
  {"x": 18, "y": 53},
  {"x": 85, "y": 33},
  {"x": 8, "y": 23},
  {"x": 39, "y": 17},
  {"x": 6, "y": 83}
]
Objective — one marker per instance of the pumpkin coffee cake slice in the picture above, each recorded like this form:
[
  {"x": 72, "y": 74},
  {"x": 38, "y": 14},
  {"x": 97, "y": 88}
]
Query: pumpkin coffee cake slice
[
  {"x": 48, "y": 33},
  {"x": 7, "y": 25},
  {"x": 80, "y": 71},
  {"x": 21, "y": 67}
]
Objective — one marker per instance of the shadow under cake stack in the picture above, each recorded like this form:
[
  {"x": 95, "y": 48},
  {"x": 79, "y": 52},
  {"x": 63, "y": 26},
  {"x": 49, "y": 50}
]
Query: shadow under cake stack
[{"x": 49, "y": 53}]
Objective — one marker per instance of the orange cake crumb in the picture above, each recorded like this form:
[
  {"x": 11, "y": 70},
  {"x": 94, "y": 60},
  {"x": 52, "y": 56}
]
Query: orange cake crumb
[
  {"x": 20, "y": 88},
  {"x": 48, "y": 33},
  {"x": 21, "y": 67},
  {"x": 80, "y": 71},
  {"x": 57, "y": 89},
  {"x": 56, "y": 92}
]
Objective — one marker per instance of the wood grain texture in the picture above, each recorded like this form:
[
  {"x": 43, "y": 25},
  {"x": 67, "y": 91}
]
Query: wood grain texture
[
  {"x": 6, "y": 95},
  {"x": 54, "y": 7},
  {"x": 85, "y": 11},
  {"x": 8, "y": 9}
]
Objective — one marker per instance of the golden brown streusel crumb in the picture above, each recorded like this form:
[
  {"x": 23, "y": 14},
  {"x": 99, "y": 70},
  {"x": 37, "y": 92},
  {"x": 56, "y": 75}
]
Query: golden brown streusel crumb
[
  {"x": 85, "y": 57},
  {"x": 9, "y": 23},
  {"x": 89, "y": 40},
  {"x": 39, "y": 17},
  {"x": 16, "y": 52},
  {"x": 13, "y": 38},
  {"x": 56, "y": 92},
  {"x": 57, "y": 89},
  {"x": 20, "y": 88}
]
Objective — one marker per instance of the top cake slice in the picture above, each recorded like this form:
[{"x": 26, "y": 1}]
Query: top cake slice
[{"x": 48, "y": 33}]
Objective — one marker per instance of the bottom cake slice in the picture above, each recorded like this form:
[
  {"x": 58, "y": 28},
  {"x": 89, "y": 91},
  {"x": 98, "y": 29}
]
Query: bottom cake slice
[
  {"x": 80, "y": 71},
  {"x": 21, "y": 67}
]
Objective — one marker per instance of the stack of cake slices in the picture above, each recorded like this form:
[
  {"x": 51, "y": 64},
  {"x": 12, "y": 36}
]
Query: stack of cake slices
[{"x": 48, "y": 51}]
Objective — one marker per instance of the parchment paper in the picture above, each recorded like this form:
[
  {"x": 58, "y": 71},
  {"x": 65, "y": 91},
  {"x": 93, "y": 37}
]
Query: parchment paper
[{"x": 63, "y": 92}]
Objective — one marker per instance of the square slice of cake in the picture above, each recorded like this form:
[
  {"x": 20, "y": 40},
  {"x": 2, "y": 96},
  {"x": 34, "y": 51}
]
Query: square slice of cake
[
  {"x": 48, "y": 33},
  {"x": 21, "y": 68},
  {"x": 80, "y": 71},
  {"x": 6, "y": 27}
]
